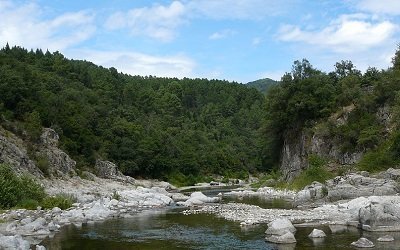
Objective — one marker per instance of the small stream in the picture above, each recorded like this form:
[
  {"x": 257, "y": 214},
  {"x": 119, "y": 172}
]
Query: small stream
[{"x": 168, "y": 228}]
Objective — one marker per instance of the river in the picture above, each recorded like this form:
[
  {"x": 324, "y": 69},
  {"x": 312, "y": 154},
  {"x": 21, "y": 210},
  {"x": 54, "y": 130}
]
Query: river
[{"x": 168, "y": 228}]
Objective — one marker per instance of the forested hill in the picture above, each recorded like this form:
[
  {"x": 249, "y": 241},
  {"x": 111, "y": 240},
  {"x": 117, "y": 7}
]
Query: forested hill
[
  {"x": 262, "y": 85},
  {"x": 148, "y": 126}
]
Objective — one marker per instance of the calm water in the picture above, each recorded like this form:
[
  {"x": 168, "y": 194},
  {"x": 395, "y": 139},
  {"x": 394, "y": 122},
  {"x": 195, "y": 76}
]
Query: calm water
[{"x": 169, "y": 229}]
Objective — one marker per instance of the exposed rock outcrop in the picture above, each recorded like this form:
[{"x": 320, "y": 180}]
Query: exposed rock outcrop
[
  {"x": 107, "y": 169},
  {"x": 60, "y": 164},
  {"x": 14, "y": 153}
]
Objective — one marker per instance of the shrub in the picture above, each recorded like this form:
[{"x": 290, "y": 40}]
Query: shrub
[
  {"x": 15, "y": 189},
  {"x": 61, "y": 200},
  {"x": 316, "y": 171}
]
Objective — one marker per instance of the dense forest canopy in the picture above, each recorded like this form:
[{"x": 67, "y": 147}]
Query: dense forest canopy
[
  {"x": 149, "y": 126},
  {"x": 183, "y": 129}
]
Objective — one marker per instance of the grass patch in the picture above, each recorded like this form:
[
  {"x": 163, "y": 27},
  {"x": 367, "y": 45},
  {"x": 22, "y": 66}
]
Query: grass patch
[
  {"x": 316, "y": 171},
  {"x": 63, "y": 201},
  {"x": 17, "y": 190},
  {"x": 267, "y": 180}
]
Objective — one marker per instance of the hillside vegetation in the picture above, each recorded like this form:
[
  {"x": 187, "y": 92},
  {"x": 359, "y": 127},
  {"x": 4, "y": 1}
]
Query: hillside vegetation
[
  {"x": 149, "y": 126},
  {"x": 185, "y": 130},
  {"x": 359, "y": 112},
  {"x": 262, "y": 85}
]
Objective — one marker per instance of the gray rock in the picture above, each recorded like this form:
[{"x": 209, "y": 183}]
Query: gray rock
[
  {"x": 280, "y": 227},
  {"x": 392, "y": 173},
  {"x": 39, "y": 247},
  {"x": 311, "y": 192},
  {"x": 380, "y": 215},
  {"x": 107, "y": 169},
  {"x": 14, "y": 153},
  {"x": 60, "y": 164},
  {"x": 316, "y": 233},
  {"x": 287, "y": 238},
  {"x": 198, "y": 198},
  {"x": 354, "y": 185},
  {"x": 363, "y": 243},
  {"x": 49, "y": 137},
  {"x": 386, "y": 238},
  {"x": 13, "y": 243}
]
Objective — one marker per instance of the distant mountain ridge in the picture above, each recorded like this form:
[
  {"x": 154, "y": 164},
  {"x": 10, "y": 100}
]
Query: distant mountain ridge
[{"x": 262, "y": 85}]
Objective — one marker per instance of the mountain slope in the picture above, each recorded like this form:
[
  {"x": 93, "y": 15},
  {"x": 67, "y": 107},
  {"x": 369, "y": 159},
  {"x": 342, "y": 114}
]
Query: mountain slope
[{"x": 149, "y": 126}]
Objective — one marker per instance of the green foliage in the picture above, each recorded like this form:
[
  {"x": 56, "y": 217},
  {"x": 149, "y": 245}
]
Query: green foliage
[
  {"x": 383, "y": 157},
  {"x": 149, "y": 126},
  {"x": 62, "y": 200},
  {"x": 116, "y": 196},
  {"x": 42, "y": 162},
  {"x": 15, "y": 190},
  {"x": 316, "y": 171},
  {"x": 262, "y": 85}
]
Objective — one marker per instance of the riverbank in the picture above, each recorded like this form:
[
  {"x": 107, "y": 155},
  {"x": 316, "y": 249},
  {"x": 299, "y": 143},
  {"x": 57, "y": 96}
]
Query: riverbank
[{"x": 98, "y": 199}]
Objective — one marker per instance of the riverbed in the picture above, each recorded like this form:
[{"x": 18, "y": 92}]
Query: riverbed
[{"x": 169, "y": 228}]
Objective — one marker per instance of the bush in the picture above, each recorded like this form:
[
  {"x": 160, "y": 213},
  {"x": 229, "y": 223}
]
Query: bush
[
  {"x": 316, "y": 171},
  {"x": 62, "y": 201},
  {"x": 15, "y": 189}
]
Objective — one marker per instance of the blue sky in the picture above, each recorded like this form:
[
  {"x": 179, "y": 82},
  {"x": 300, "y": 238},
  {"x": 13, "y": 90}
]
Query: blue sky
[{"x": 240, "y": 40}]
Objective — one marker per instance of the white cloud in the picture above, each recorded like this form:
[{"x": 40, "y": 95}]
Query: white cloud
[
  {"x": 140, "y": 64},
  {"x": 159, "y": 22},
  {"x": 391, "y": 7},
  {"x": 222, "y": 34},
  {"x": 239, "y": 9},
  {"x": 348, "y": 33},
  {"x": 22, "y": 25}
]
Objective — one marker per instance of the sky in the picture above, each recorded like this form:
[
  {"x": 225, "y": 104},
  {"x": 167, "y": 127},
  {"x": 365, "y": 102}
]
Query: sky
[{"x": 241, "y": 40}]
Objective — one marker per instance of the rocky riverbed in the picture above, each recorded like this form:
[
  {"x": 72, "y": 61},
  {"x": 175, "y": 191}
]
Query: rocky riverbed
[{"x": 99, "y": 199}]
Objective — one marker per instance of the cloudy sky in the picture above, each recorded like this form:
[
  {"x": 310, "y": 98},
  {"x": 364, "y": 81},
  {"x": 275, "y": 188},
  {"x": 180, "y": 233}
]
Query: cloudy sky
[{"x": 241, "y": 40}]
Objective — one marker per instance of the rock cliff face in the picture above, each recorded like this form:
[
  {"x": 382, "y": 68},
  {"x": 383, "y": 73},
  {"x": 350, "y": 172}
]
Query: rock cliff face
[
  {"x": 299, "y": 145},
  {"x": 60, "y": 163},
  {"x": 14, "y": 153}
]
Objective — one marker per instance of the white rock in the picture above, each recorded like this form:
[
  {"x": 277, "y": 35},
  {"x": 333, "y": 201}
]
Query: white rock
[
  {"x": 386, "y": 238},
  {"x": 280, "y": 227},
  {"x": 39, "y": 247},
  {"x": 56, "y": 210},
  {"x": 316, "y": 233},
  {"x": 286, "y": 238},
  {"x": 13, "y": 243},
  {"x": 363, "y": 243}
]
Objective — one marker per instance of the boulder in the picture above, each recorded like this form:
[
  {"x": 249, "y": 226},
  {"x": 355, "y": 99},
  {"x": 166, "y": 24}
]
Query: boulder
[
  {"x": 385, "y": 238},
  {"x": 392, "y": 174},
  {"x": 286, "y": 238},
  {"x": 13, "y": 243},
  {"x": 198, "y": 198},
  {"x": 311, "y": 192},
  {"x": 316, "y": 233},
  {"x": 39, "y": 247},
  {"x": 355, "y": 185},
  {"x": 280, "y": 227},
  {"x": 107, "y": 169},
  {"x": 363, "y": 243},
  {"x": 380, "y": 215}
]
